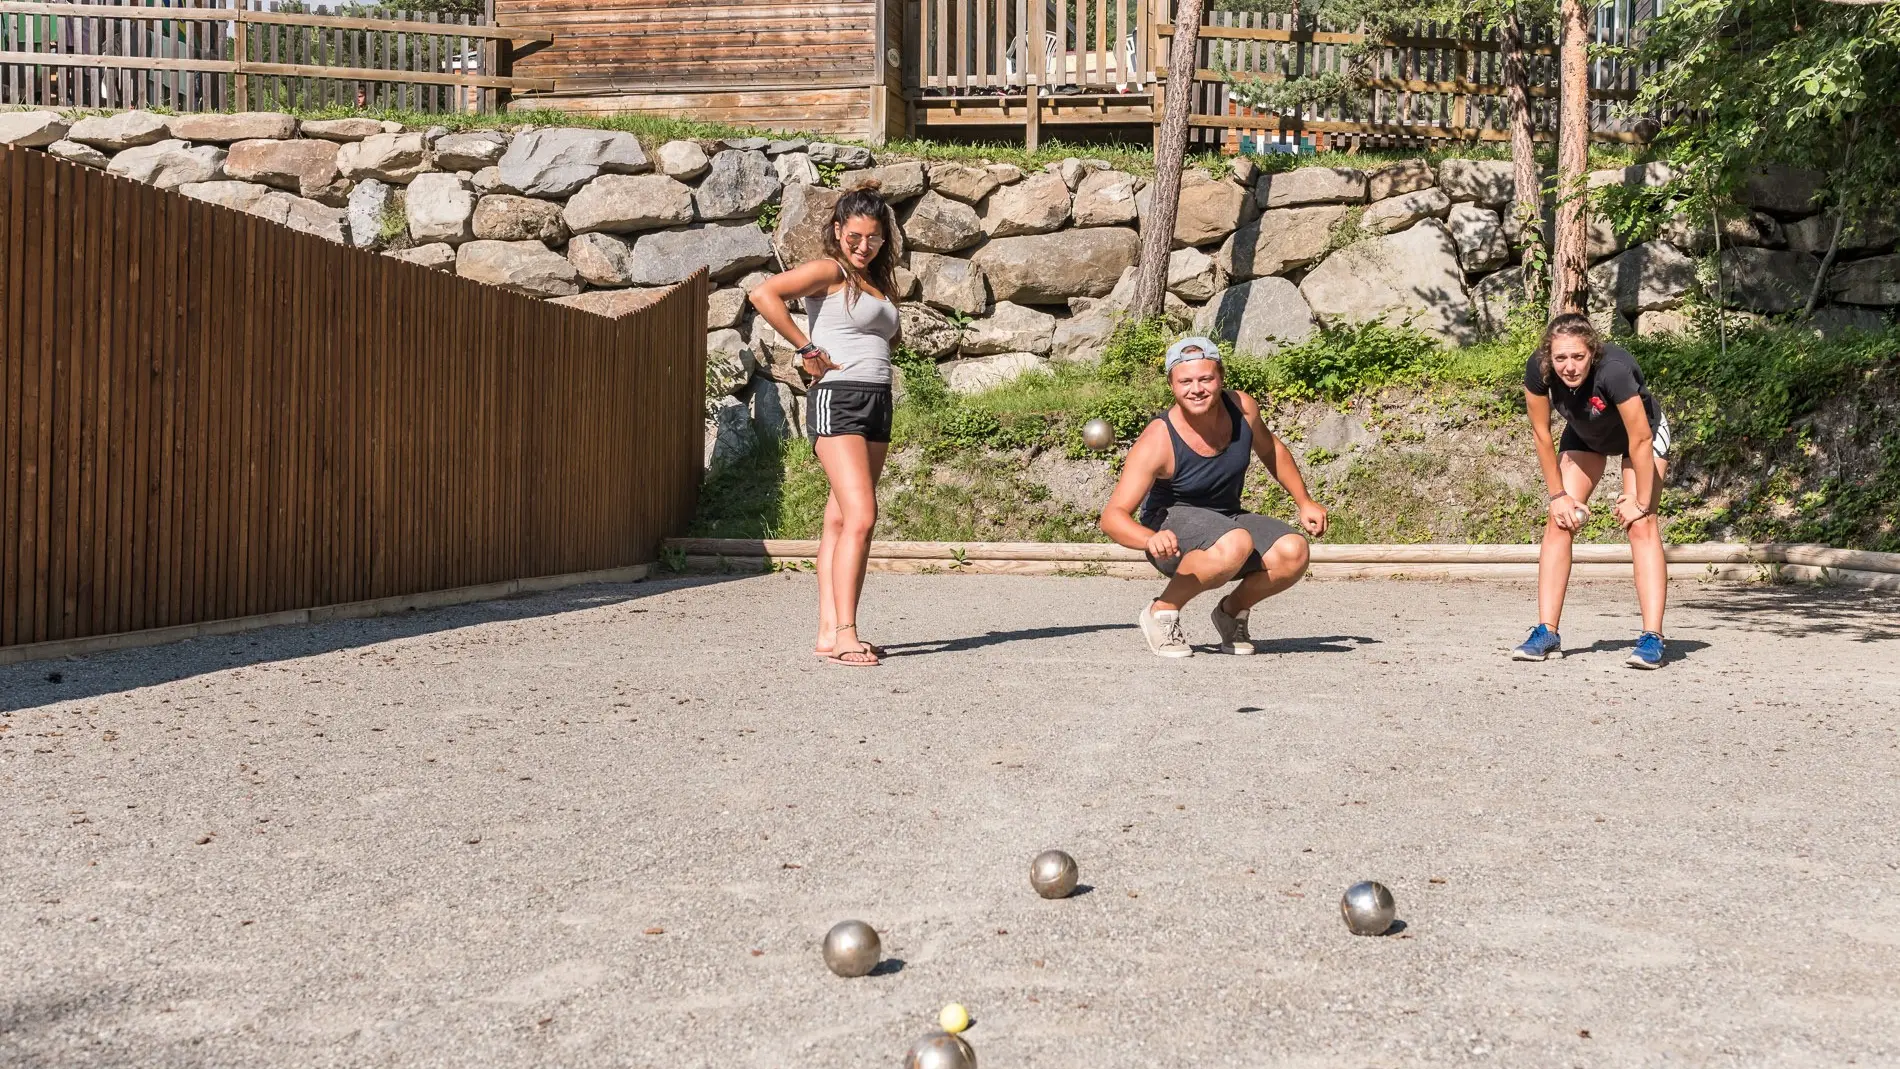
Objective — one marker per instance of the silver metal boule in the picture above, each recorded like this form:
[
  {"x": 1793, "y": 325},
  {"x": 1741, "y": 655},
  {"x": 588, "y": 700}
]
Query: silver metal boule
[
  {"x": 1053, "y": 874},
  {"x": 1368, "y": 908},
  {"x": 1097, "y": 434},
  {"x": 851, "y": 948},
  {"x": 941, "y": 1050}
]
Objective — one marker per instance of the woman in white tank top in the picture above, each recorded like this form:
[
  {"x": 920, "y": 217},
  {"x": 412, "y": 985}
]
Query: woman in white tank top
[{"x": 850, "y": 328}]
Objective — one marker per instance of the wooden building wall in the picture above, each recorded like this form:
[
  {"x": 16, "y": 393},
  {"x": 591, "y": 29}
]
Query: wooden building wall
[{"x": 771, "y": 63}]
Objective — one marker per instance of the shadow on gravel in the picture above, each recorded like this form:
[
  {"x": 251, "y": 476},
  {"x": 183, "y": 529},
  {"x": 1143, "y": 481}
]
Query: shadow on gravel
[
  {"x": 1797, "y": 611},
  {"x": 1314, "y": 644},
  {"x": 993, "y": 638},
  {"x": 1674, "y": 649},
  {"x": 37, "y": 683}
]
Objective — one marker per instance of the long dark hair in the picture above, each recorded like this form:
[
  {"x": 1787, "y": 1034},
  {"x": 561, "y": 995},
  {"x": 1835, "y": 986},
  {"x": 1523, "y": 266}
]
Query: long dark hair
[
  {"x": 864, "y": 202},
  {"x": 1568, "y": 325}
]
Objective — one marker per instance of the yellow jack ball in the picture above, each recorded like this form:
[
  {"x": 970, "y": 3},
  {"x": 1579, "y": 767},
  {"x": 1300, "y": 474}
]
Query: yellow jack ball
[{"x": 954, "y": 1018}]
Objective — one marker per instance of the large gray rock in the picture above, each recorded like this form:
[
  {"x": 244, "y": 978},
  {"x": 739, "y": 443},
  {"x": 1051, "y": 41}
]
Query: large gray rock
[
  {"x": 1492, "y": 183},
  {"x": 439, "y": 257},
  {"x": 934, "y": 223},
  {"x": 683, "y": 160},
  {"x": 1783, "y": 190},
  {"x": 304, "y": 166},
  {"x": 847, "y": 157},
  {"x": 895, "y": 182},
  {"x": 612, "y": 303},
  {"x": 439, "y": 208},
  {"x": 1601, "y": 238},
  {"x": 1009, "y": 328},
  {"x": 976, "y": 374},
  {"x": 470, "y": 151},
  {"x": 223, "y": 129},
  {"x": 927, "y": 331},
  {"x": 602, "y": 259},
  {"x": 1193, "y": 275},
  {"x": 1311, "y": 185},
  {"x": 488, "y": 180},
  {"x": 1496, "y": 297},
  {"x": 950, "y": 282},
  {"x": 309, "y": 217},
  {"x": 804, "y": 221},
  {"x": 1083, "y": 337},
  {"x": 1412, "y": 277},
  {"x": 1479, "y": 233},
  {"x": 1874, "y": 281},
  {"x": 724, "y": 307},
  {"x": 1123, "y": 295},
  {"x": 1395, "y": 179},
  {"x": 1037, "y": 205},
  {"x": 1258, "y": 316},
  {"x": 661, "y": 258},
  {"x": 1051, "y": 268},
  {"x": 396, "y": 158},
  {"x": 1666, "y": 321},
  {"x": 1396, "y": 213},
  {"x": 1696, "y": 237},
  {"x": 1766, "y": 280},
  {"x": 796, "y": 169},
  {"x": 776, "y": 412},
  {"x": 32, "y": 129},
  {"x": 1839, "y": 320},
  {"x": 731, "y": 435},
  {"x": 1651, "y": 277},
  {"x": 116, "y": 133},
  {"x": 506, "y": 217},
  {"x": 1105, "y": 198},
  {"x": 237, "y": 196},
  {"x": 1210, "y": 209},
  {"x": 555, "y": 163},
  {"x": 525, "y": 267},
  {"x": 169, "y": 164},
  {"x": 341, "y": 130},
  {"x": 737, "y": 187},
  {"x": 74, "y": 152},
  {"x": 368, "y": 203},
  {"x": 1280, "y": 241},
  {"x": 1813, "y": 234},
  {"x": 960, "y": 181},
  {"x": 627, "y": 203},
  {"x": 729, "y": 362}
]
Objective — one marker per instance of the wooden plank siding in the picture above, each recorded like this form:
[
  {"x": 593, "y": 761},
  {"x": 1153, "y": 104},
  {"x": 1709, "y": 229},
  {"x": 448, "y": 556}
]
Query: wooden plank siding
[{"x": 206, "y": 416}]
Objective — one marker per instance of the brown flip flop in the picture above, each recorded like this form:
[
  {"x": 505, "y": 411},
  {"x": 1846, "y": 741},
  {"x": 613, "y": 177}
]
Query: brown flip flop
[{"x": 865, "y": 656}]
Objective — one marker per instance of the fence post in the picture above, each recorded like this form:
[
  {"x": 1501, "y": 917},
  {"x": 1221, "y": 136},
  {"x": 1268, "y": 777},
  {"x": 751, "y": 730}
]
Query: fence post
[{"x": 241, "y": 51}]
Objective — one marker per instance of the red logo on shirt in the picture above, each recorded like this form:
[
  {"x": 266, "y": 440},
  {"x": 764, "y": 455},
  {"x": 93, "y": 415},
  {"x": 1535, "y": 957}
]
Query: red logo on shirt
[{"x": 1596, "y": 404}]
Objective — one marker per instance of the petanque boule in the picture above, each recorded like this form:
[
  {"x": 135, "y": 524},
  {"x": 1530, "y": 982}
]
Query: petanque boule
[
  {"x": 851, "y": 948},
  {"x": 1368, "y": 908},
  {"x": 1053, "y": 874},
  {"x": 941, "y": 1050},
  {"x": 1098, "y": 435}
]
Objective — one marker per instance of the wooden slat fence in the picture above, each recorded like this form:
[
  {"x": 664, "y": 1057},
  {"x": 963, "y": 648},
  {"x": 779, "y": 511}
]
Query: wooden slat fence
[
  {"x": 204, "y": 415},
  {"x": 1438, "y": 82},
  {"x": 974, "y": 47},
  {"x": 249, "y": 55}
]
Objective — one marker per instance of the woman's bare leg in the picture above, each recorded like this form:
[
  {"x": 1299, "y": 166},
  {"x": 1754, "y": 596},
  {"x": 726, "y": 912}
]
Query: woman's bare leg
[
  {"x": 1651, "y": 566},
  {"x": 1580, "y": 473},
  {"x": 852, "y": 465}
]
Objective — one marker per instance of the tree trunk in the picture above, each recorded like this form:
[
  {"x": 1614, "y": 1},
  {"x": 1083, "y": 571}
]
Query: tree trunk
[
  {"x": 1528, "y": 205},
  {"x": 1164, "y": 203},
  {"x": 1570, "y": 258}
]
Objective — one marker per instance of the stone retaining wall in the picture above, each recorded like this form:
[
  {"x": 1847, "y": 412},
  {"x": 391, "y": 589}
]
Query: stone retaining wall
[{"x": 1005, "y": 271}]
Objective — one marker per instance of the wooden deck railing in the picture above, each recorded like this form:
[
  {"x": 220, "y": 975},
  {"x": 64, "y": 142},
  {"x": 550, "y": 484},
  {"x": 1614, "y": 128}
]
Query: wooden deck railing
[
  {"x": 242, "y": 57},
  {"x": 207, "y": 416},
  {"x": 1017, "y": 46}
]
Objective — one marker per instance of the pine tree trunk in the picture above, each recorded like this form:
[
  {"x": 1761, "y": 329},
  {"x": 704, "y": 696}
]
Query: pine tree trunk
[
  {"x": 1164, "y": 203},
  {"x": 1528, "y": 205},
  {"x": 1570, "y": 257}
]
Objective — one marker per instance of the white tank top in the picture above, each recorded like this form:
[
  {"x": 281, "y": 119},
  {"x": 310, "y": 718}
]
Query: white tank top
[{"x": 857, "y": 333}]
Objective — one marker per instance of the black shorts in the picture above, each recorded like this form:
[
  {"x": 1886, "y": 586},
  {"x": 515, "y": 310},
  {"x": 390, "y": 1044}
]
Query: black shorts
[
  {"x": 860, "y": 408},
  {"x": 1572, "y": 442},
  {"x": 1199, "y": 528}
]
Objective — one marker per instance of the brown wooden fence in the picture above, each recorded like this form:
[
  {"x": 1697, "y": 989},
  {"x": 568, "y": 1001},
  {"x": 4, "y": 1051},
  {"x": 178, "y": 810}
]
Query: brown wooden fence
[{"x": 204, "y": 415}]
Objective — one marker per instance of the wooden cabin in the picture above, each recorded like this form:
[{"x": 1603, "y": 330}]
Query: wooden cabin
[{"x": 868, "y": 69}]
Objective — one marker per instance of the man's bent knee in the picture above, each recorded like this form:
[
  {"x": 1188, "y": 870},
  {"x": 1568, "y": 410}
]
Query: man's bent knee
[{"x": 1289, "y": 556}]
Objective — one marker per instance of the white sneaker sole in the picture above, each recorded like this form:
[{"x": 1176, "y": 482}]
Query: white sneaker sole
[
  {"x": 1170, "y": 654},
  {"x": 1238, "y": 649},
  {"x": 1520, "y": 655}
]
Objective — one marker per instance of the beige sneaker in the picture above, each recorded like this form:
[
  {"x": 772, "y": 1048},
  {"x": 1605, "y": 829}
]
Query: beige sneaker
[
  {"x": 1232, "y": 630},
  {"x": 1163, "y": 632}
]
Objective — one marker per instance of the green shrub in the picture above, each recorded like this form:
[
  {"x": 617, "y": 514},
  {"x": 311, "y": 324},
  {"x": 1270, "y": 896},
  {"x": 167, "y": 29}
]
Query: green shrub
[
  {"x": 923, "y": 383},
  {"x": 1338, "y": 362},
  {"x": 967, "y": 425},
  {"x": 1137, "y": 348}
]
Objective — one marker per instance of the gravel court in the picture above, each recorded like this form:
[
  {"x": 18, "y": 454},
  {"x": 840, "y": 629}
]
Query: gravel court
[{"x": 607, "y": 827}]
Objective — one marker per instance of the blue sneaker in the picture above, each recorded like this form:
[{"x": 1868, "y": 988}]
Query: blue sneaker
[
  {"x": 1648, "y": 652},
  {"x": 1542, "y": 643}
]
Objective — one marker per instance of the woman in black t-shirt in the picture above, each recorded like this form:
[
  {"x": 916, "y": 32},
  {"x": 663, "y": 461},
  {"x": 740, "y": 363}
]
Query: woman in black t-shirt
[{"x": 1607, "y": 409}]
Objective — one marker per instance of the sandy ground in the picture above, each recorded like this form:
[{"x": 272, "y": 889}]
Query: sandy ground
[{"x": 607, "y": 827}]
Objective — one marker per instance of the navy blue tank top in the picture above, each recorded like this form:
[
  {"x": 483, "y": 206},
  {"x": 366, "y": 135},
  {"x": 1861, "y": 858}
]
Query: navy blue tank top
[{"x": 1204, "y": 482}]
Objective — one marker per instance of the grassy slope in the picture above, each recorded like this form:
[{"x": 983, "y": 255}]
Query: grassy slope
[{"x": 1783, "y": 439}]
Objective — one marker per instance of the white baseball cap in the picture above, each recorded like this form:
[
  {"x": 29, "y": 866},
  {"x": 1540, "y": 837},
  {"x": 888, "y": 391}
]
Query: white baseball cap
[{"x": 1195, "y": 348}]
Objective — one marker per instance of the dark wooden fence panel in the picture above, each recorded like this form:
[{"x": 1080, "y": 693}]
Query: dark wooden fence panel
[{"x": 204, "y": 415}]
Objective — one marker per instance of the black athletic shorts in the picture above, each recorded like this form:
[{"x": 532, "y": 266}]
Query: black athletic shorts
[
  {"x": 1572, "y": 442},
  {"x": 860, "y": 408},
  {"x": 1199, "y": 528}
]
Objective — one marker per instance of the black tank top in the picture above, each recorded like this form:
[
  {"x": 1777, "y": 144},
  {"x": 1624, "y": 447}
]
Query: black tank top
[{"x": 1203, "y": 482}]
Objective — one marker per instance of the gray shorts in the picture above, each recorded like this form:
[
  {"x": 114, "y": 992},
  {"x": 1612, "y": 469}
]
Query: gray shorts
[{"x": 1198, "y": 528}]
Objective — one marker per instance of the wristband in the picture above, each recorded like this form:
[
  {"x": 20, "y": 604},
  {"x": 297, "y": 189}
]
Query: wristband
[
  {"x": 1552, "y": 499},
  {"x": 807, "y": 349}
]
